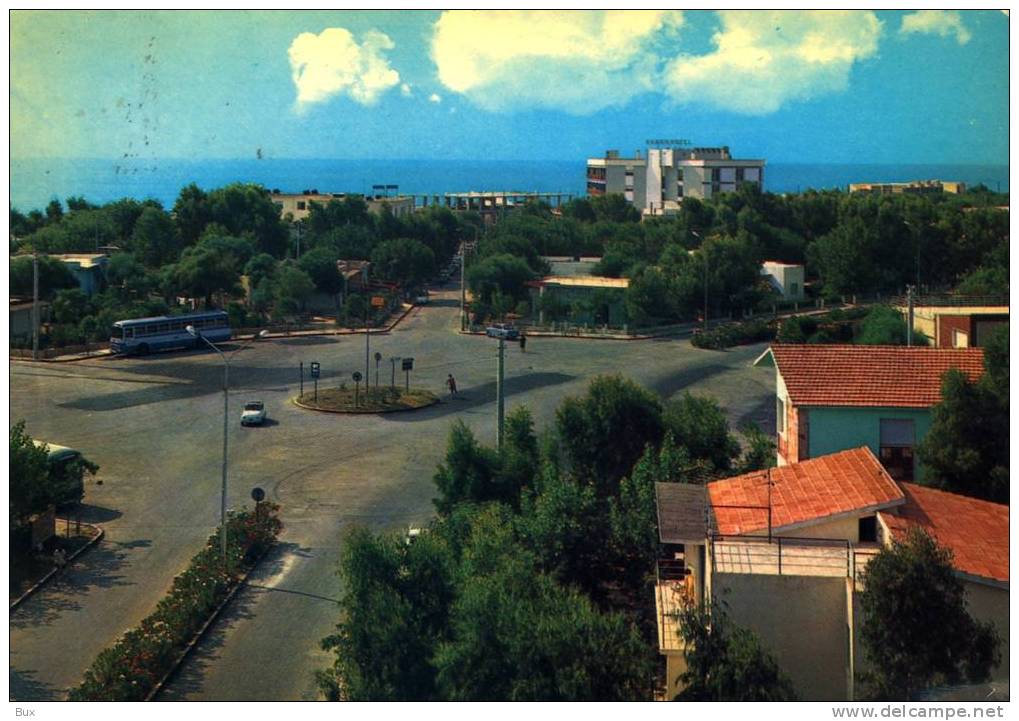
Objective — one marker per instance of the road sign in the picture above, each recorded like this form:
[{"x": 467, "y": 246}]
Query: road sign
[
  {"x": 378, "y": 301},
  {"x": 314, "y": 370},
  {"x": 257, "y": 495},
  {"x": 408, "y": 364},
  {"x": 357, "y": 376},
  {"x": 378, "y": 357}
]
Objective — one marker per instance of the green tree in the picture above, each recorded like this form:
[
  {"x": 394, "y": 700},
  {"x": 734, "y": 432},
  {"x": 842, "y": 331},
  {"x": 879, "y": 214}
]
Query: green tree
[
  {"x": 518, "y": 636},
  {"x": 886, "y": 326},
  {"x": 470, "y": 472},
  {"x": 966, "y": 449},
  {"x": 247, "y": 209},
  {"x": 403, "y": 260},
  {"x": 699, "y": 425},
  {"x": 292, "y": 288},
  {"x": 604, "y": 432},
  {"x": 127, "y": 278},
  {"x": 501, "y": 273},
  {"x": 261, "y": 267},
  {"x": 192, "y": 213},
  {"x": 70, "y": 306},
  {"x": 613, "y": 207},
  {"x": 30, "y": 488},
  {"x": 204, "y": 271},
  {"x": 916, "y": 630},
  {"x": 726, "y": 662},
  {"x": 53, "y": 276},
  {"x": 394, "y": 613},
  {"x": 155, "y": 240}
]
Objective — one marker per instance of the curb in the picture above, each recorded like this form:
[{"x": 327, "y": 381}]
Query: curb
[
  {"x": 296, "y": 334},
  {"x": 161, "y": 684},
  {"x": 54, "y": 571},
  {"x": 365, "y": 412}
]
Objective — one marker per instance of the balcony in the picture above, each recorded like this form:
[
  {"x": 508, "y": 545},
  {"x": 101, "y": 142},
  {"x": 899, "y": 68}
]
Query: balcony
[{"x": 784, "y": 556}]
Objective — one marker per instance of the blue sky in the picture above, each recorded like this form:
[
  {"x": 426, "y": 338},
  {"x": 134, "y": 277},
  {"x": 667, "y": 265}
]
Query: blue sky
[{"x": 860, "y": 86}]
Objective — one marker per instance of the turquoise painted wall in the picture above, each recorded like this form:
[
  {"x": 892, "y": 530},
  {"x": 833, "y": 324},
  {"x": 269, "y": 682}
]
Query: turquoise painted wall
[{"x": 839, "y": 429}]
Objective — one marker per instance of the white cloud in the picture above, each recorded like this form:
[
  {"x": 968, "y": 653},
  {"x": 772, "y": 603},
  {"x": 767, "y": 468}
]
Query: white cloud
[
  {"x": 333, "y": 63},
  {"x": 578, "y": 61},
  {"x": 764, "y": 59},
  {"x": 943, "y": 23},
  {"x": 405, "y": 90},
  {"x": 435, "y": 98}
]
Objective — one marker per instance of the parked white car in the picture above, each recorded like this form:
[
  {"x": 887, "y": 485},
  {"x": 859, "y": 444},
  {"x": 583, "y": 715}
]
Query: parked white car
[{"x": 253, "y": 413}]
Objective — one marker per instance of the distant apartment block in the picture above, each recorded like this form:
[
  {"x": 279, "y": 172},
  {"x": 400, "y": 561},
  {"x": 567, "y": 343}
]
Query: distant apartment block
[
  {"x": 920, "y": 187},
  {"x": 656, "y": 183},
  {"x": 298, "y": 205}
]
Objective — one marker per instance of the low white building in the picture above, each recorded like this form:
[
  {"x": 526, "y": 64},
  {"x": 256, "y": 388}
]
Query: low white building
[{"x": 786, "y": 278}]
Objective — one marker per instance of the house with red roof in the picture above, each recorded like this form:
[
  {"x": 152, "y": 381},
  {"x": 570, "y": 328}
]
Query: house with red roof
[
  {"x": 786, "y": 548},
  {"x": 832, "y": 397}
]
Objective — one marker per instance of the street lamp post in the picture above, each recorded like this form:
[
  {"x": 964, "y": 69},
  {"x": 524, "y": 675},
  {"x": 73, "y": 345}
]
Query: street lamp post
[{"x": 194, "y": 332}]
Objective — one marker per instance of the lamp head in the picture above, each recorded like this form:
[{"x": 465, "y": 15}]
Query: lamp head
[
  {"x": 262, "y": 334},
  {"x": 192, "y": 331}
]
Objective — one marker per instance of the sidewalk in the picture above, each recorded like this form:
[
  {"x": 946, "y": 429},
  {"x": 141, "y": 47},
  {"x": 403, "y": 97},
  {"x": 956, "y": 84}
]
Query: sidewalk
[{"x": 405, "y": 309}]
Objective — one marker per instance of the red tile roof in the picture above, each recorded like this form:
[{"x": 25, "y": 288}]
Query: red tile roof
[
  {"x": 860, "y": 375},
  {"x": 975, "y": 531},
  {"x": 802, "y": 493}
]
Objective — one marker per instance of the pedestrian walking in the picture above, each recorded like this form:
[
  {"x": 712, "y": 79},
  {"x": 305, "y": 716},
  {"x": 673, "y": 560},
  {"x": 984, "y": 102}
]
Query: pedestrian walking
[
  {"x": 451, "y": 384},
  {"x": 523, "y": 343},
  {"x": 59, "y": 558}
]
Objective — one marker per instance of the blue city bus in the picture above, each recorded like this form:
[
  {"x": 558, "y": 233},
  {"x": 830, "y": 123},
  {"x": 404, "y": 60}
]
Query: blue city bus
[{"x": 144, "y": 335}]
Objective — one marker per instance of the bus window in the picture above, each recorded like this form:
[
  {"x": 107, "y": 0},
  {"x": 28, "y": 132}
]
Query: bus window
[{"x": 116, "y": 332}]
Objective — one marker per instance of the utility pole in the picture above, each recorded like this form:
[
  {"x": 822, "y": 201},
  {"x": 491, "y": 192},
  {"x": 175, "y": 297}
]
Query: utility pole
[
  {"x": 909, "y": 318},
  {"x": 463, "y": 287},
  {"x": 367, "y": 345},
  {"x": 500, "y": 401},
  {"x": 704, "y": 252},
  {"x": 35, "y": 306}
]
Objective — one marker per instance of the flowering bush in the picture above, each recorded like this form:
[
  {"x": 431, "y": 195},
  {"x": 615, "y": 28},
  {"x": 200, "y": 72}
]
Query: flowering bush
[
  {"x": 732, "y": 334},
  {"x": 132, "y": 667}
]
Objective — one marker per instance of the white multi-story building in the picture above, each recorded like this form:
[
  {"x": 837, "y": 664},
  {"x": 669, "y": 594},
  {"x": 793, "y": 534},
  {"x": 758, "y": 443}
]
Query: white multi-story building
[{"x": 658, "y": 182}]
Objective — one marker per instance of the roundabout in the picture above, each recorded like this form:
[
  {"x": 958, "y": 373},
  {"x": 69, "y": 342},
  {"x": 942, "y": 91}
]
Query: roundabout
[{"x": 352, "y": 400}]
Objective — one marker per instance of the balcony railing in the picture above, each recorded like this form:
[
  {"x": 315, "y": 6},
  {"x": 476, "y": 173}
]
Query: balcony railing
[{"x": 786, "y": 556}]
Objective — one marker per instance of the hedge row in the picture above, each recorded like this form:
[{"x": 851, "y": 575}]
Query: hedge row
[
  {"x": 732, "y": 334},
  {"x": 131, "y": 668}
]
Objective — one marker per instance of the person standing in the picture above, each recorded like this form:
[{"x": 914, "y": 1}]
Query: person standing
[
  {"x": 523, "y": 343},
  {"x": 451, "y": 384}
]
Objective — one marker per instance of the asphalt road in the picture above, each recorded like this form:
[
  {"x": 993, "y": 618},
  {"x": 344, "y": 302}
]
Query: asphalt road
[{"x": 154, "y": 425}]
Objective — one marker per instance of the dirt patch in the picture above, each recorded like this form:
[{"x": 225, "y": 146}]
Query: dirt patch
[{"x": 352, "y": 400}]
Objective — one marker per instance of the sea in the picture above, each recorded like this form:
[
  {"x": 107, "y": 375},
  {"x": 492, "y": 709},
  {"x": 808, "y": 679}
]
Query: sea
[{"x": 35, "y": 182}]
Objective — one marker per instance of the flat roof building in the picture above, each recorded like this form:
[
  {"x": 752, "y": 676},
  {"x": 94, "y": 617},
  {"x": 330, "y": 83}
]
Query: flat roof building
[
  {"x": 920, "y": 187},
  {"x": 658, "y": 181},
  {"x": 298, "y": 205}
]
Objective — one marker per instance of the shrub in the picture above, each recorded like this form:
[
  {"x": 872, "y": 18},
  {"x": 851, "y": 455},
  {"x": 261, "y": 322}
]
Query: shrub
[
  {"x": 732, "y": 334},
  {"x": 130, "y": 669}
]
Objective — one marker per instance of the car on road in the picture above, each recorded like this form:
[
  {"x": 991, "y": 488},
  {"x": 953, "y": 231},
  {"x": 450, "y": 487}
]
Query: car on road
[
  {"x": 502, "y": 330},
  {"x": 253, "y": 413},
  {"x": 421, "y": 298}
]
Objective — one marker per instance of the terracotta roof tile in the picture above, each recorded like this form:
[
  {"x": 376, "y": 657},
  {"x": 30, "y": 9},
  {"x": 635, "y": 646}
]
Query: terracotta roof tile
[
  {"x": 975, "y": 531},
  {"x": 803, "y": 492},
  {"x": 859, "y": 375}
]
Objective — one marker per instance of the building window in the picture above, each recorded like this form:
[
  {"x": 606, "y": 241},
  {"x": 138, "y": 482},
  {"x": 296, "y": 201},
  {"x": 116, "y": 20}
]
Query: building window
[
  {"x": 898, "y": 436},
  {"x": 679, "y": 175},
  {"x": 780, "y": 415},
  {"x": 301, "y": 205},
  {"x": 868, "y": 529},
  {"x": 794, "y": 289},
  {"x": 960, "y": 339}
]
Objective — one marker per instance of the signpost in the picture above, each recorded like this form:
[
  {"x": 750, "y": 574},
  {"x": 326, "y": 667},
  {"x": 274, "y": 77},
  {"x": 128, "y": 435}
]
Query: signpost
[
  {"x": 408, "y": 366},
  {"x": 302, "y": 378},
  {"x": 392, "y": 376},
  {"x": 314, "y": 374},
  {"x": 357, "y": 388},
  {"x": 258, "y": 495},
  {"x": 378, "y": 359}
]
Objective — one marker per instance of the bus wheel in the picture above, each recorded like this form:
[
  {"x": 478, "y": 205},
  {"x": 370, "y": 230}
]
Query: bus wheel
[{"x": 143, "y": 349}]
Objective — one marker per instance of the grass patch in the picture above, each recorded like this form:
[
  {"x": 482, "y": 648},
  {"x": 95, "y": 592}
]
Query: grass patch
[{"x": 349, "y": 400}]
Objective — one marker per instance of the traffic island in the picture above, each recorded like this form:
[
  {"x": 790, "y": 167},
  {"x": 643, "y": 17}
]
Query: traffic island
[{"x": 359, "y": 400}]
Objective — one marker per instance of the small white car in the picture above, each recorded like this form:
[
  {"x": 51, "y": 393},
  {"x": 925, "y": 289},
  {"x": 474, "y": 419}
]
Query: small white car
[
  {"x": 253, "y": 413},
  {"x": 421, "y": 298}
]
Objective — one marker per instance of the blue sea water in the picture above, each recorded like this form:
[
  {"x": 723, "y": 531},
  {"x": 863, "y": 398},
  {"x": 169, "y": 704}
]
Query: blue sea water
[{"x": 35, "y": 182}]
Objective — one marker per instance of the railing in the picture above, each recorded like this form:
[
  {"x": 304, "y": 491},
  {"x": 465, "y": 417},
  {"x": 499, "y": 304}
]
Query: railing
[
  {"x": 952, "y": 301},
  {"x": 789, "y": 556}
]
